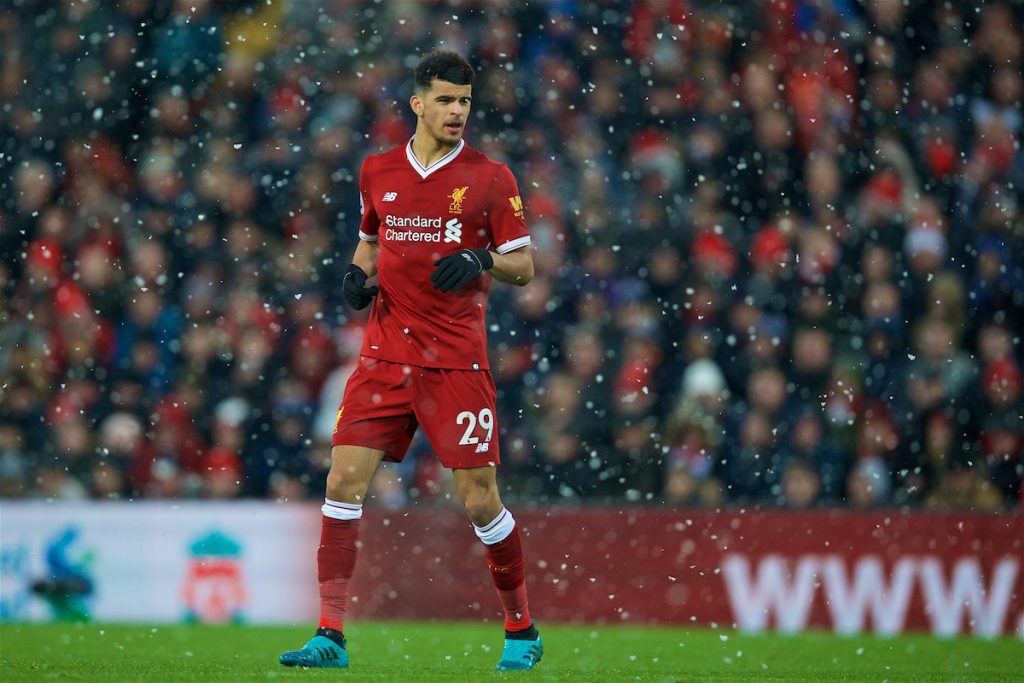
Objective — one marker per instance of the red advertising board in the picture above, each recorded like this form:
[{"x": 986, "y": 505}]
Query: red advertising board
[{"x": 884, "y": 572}]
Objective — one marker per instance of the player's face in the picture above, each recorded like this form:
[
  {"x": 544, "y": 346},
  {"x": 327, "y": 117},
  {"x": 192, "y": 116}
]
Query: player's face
[{"x": 443, "y": 110}]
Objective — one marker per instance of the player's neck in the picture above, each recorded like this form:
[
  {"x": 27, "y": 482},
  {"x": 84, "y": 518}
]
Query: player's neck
[{"x": 427, "y": 149}]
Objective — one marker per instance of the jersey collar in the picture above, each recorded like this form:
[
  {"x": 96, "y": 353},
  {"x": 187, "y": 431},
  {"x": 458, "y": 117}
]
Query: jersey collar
[{"x": 443, "y": 161}]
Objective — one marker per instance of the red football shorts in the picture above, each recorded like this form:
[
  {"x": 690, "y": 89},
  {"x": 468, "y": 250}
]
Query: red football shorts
[{"x": 385, "y": 402}]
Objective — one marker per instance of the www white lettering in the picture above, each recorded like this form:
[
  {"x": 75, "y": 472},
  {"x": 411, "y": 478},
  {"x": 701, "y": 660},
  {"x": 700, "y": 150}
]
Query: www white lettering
[{"x": 781, "y": 590}]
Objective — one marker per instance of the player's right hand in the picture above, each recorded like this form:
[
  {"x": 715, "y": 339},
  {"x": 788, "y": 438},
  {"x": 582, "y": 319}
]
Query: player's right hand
[{"x": 353, "y": 286}]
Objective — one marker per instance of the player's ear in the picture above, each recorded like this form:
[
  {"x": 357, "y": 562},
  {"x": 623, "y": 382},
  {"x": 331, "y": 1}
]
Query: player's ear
[{"x": 416, "y": 104}]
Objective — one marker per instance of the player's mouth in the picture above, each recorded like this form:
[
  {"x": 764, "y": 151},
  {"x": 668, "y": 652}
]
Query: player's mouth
[{"x": 453, "y": 127}]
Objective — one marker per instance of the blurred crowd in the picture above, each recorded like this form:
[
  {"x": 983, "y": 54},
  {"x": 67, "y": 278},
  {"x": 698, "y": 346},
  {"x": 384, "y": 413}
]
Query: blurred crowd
[{"x": 779, "y": 245}]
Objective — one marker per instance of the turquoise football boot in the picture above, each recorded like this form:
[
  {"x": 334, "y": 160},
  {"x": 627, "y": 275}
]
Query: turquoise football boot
[
  {"x": 319, "y": 653},
  {"x": 520, "y": 655}
]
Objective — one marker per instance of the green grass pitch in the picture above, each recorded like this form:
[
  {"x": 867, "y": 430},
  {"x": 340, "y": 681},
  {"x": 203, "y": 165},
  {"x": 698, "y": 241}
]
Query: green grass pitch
[{"x": 444, "y": 651}]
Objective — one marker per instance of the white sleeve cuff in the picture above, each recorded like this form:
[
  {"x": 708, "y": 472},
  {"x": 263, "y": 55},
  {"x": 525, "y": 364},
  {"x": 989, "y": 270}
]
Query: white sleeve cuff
[
  {"x": 513, "y": 245},
  {"x": 367, "y": 237}
]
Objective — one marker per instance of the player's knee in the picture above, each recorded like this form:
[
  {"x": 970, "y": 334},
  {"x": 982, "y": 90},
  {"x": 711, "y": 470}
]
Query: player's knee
[
  {"x": 343, "y": 487},
  {"x": 482, "y": 505}
]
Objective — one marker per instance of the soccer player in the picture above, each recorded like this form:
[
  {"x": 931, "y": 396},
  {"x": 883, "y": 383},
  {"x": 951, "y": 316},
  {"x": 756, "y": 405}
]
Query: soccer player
[{"x": 439, "y": 220}]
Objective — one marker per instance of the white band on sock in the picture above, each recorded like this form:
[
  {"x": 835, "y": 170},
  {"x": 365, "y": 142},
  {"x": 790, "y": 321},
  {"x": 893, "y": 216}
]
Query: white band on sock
[
  {"x": 336, "y": 510},
  {"x": 498, "y": 529}
]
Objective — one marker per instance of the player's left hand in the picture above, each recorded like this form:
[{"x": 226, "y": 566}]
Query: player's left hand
[{"x": 457, "y": 270}]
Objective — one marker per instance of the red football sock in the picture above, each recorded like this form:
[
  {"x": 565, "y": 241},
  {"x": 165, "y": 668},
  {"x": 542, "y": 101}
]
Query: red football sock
[
  {"x": 508, "y": 572},
  {"x": 335, "y": 560}
]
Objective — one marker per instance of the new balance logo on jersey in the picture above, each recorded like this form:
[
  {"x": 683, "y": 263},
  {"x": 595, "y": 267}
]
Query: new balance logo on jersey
[
  {"x": 390, "y": 196},
  {"x": 483, "y": 447},
  {"x": 453, "y": 231}
]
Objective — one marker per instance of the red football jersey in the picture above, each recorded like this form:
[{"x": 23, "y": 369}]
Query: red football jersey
[{"x": 463, "y": 200}]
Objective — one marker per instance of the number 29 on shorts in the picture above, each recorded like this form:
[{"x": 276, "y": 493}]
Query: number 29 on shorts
[{"x": 485, "y": 418}]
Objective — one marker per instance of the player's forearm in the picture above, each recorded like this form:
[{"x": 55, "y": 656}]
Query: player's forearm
[
  {"x": 514, "y": 268},
  {"x": 366, "y": 256}
]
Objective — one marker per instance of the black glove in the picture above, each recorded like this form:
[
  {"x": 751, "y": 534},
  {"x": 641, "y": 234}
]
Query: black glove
[
  {"x": 353, "y": 286},
  {"x": 455, "y": 271}
]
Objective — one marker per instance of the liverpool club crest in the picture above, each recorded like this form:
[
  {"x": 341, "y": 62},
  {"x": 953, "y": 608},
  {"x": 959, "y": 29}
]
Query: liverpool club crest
[{"x": 457, "y": 196}]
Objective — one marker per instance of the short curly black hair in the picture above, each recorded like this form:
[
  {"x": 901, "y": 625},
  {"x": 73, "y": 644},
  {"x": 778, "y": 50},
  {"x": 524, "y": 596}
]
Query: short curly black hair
[{"x": 443, "y": 65}]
